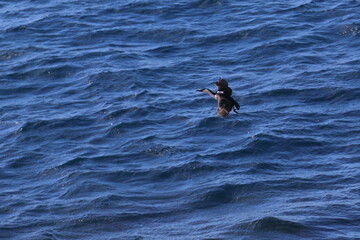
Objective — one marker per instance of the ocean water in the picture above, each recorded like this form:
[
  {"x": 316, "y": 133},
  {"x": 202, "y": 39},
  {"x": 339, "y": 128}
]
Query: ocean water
[{"x": 103, "y": 136}]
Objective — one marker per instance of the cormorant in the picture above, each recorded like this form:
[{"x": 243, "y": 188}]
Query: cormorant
[{"x": 225, "y": 103}]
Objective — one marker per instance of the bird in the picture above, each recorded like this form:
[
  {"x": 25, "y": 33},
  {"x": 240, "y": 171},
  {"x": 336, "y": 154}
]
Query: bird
[{"x": 225, "y": 103}]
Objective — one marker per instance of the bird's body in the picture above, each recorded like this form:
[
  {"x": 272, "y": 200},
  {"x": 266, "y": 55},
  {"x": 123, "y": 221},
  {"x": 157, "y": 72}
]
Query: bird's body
[
  {"x": 225, "y": 103},
  {"x": 223, "y": 87}
]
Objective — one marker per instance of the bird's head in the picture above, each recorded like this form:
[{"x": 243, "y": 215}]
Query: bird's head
[{"x": 221, "y": 83}]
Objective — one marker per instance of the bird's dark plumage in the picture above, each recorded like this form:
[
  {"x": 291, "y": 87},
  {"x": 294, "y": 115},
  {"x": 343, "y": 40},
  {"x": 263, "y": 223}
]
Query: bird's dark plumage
[
  {"x": 223, "y": 87},
  {"x": 223, "y": 96}
]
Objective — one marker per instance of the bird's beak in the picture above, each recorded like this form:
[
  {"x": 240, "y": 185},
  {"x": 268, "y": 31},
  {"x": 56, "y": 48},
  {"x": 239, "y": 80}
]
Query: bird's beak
[{"x": 199, "y": 90}]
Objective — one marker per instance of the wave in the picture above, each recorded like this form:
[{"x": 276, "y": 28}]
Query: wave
[
  {"x": 213, "y": 196},
  {"x": 329, "y": 95},
  {"x": 165, "y": 173},
  {"x": 72, "y": 122},
  {"x": 37, "y": 72},
  {"x": 123, "y": 174},
  {"x": 78, "y": 161},
  {"x": 269, "y": 144},
  {"x": 273, "y": 224},
  {"x": 137, "y": 112}
]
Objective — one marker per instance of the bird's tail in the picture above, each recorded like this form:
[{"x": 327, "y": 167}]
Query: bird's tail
[{"x": 236, "y": 106}]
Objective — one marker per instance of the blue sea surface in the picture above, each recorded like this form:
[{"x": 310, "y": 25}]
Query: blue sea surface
[{"x": 103, "y": 136}]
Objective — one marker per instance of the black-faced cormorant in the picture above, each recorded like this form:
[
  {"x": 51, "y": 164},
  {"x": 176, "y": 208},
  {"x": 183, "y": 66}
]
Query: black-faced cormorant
[{"x": 225, "y": 103}]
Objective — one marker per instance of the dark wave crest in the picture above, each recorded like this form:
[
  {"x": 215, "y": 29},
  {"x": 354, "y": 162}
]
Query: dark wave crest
[{"x": 276, "y": 225}]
